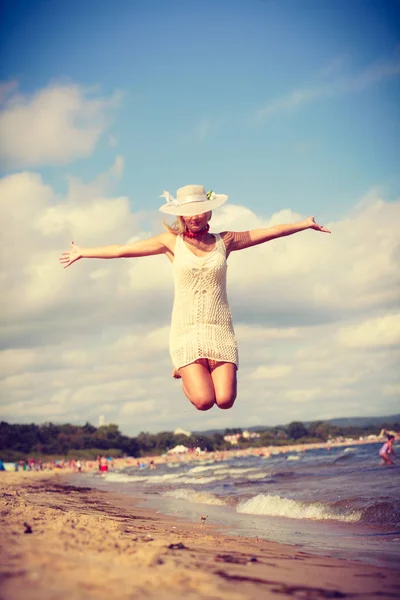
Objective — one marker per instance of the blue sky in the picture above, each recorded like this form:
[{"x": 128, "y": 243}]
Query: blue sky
[
  {"x": 291, "y": 108},
  {"x": 194, "y": 77}
]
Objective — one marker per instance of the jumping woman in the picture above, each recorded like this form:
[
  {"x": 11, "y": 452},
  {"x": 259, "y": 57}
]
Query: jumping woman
[{"x": 203, "y": 346}]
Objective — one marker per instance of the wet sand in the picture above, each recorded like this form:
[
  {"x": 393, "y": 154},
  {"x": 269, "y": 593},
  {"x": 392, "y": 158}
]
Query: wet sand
[{"x": 61, "y": 542}]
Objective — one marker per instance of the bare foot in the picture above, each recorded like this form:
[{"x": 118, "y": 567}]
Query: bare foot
[{"x": 175, "y": 374}]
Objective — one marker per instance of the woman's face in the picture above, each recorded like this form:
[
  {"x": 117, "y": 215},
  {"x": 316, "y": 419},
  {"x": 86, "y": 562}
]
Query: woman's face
[{"x": 197, "y": 222}]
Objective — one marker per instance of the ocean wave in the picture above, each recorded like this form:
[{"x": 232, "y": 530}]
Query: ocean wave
[
  {"x": 219, "y": 472},
  {"x": 344, "y": 457},
  {"x": 167, "y": 477},
  {"x": 383, "y": 512},
  {"x": 206, "y": 467},
  {"x": 261, "y": 475},
  {"x": 283, "y": 474},
  {"x": 199, "y": 480},
  {"x": 235, "y": 472},
  {"x": 152, "y": 479},
  {"x": 123, "y": 478},
  {"x": 276, "y": 506},
  {"x": 194, "y": 496}
]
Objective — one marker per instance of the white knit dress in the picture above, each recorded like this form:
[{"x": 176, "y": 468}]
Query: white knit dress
[{"x": 201, "y": 319}]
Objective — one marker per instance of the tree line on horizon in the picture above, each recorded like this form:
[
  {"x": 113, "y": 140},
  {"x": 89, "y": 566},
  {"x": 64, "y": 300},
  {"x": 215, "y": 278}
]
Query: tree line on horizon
[{"x": 49, "y": 441}]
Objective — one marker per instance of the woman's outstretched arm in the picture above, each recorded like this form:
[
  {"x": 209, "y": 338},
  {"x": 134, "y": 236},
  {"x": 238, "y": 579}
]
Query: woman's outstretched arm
[
  {"x": 246, "y": 239},
  {"x": 150, "y": 247}
]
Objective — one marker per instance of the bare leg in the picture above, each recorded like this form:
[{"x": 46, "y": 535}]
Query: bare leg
[
  {"x": 386, "y": 459},
  {"x": 224, "y": 378},
  {"x": 198, "y": 385}
]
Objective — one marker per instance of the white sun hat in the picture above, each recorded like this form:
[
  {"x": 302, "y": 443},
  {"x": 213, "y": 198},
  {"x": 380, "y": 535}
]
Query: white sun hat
[{"x": 191, "y": 200}]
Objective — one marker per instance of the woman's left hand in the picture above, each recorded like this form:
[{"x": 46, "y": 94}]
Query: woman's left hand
[{"x": 311, "y": 224}]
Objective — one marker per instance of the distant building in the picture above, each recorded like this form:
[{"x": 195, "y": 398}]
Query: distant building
[
  {"x": 233, "y": 438},
  {"x": 102, "y": 421},
  {"x": 181, "y": 431}
]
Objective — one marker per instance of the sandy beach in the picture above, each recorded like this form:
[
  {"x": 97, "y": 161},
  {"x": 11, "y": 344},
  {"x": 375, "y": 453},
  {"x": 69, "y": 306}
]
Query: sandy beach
[{"x": 59, "y": 541}]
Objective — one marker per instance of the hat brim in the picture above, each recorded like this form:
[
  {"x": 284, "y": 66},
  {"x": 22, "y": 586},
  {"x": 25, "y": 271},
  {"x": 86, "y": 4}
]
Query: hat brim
[{"x": 194, "y": 208}]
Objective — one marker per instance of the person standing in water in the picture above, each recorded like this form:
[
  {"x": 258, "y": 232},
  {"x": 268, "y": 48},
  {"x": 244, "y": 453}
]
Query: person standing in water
[
  {"x": 203, "y": 346},
  {"x": 386, "y": 452}
]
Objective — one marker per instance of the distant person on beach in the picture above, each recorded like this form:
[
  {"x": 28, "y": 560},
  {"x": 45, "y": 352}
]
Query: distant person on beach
[
  {"x": 203, "y": 346},
  {"x": 103, "y": 464},
  {"x": 387, "y": 449}
]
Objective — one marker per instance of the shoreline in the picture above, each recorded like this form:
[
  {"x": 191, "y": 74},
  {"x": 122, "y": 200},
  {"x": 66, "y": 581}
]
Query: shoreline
[
  {"x": 129, "y": 461},
  {"x": 88, "y": 543}
]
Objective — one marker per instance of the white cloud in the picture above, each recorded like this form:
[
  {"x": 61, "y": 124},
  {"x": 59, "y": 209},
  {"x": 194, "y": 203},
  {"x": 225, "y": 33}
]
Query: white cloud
[
  {"x": 203, "y": 129},
  {"x": 94, "y": 339},
  {"x": 293, "y": 100},
  {"x": 131, "y": 409},
  {"x": 247, "y": 333},
  {"x": 392, "y": 390},
  {"x": 372, "y": 75},
  {"x": 312, "y": 277},
  {"x": 333, "y": 66},
  {"x": 7, "y": 88},
  {"x": 271, "y": 372},
  {"x": 53, "y": 126},
  {"x": 304, "y": 395},
  {"x": 377, "y": 332},
  {"x": 17, "y": 360},
  {"x": 118, "y": 167}
]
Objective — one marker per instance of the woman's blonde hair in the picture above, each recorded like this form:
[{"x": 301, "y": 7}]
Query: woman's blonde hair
[{"x": 179, "y": 225}]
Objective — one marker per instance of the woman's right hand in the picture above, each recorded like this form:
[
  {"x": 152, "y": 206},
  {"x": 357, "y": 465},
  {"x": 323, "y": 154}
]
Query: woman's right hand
[{"x": 67, "y": 258}]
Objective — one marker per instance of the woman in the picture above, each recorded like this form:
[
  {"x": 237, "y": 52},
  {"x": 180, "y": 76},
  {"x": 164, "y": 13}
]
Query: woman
[{"x": 202, "y": 341}]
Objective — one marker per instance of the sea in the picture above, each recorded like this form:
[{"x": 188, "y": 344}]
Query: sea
[{"x": 339, "y": 502}]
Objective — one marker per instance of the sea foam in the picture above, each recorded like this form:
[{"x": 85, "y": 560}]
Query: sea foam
[
  {"x": 275, "y": 506},
  {"x": 207, "y": 467},
  {"x": 194, "y": 496},
  {"x": 123, "y": 478}
]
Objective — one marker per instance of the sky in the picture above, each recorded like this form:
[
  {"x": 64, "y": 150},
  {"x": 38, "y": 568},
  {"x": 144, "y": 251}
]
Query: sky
[{"x": 292, "y": 109}]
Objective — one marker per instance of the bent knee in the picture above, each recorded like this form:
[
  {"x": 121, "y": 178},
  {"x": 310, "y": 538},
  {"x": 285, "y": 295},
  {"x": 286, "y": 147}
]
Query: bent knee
[
  {"x": 203, "y": 402},
  {"x": 203, "y": 405},
  {"x": 225, "y": 402}
]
